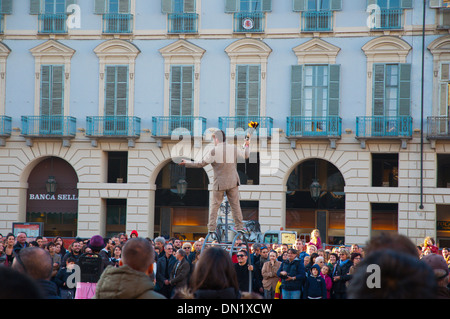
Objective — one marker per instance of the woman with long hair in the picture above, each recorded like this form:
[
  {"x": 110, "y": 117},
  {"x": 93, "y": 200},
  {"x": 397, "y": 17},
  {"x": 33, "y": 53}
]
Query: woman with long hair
[{"x": 214, "y": 276}]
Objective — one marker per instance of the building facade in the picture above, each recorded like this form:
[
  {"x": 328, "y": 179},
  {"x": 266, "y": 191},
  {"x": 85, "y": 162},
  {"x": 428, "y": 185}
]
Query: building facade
[{"x": 99, "y": 99}]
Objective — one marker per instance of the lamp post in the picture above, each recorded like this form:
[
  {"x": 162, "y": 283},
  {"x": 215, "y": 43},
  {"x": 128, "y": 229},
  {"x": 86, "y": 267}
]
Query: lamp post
[
  {"x": 315, "y": 189},
  {"x": 225, "y": 209},
  {"x": 50, "y": 185}
]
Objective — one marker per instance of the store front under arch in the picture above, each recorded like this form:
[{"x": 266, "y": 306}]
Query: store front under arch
[
  {"x": 52, "y": 197},
  {"x": 327, "y": 212}
]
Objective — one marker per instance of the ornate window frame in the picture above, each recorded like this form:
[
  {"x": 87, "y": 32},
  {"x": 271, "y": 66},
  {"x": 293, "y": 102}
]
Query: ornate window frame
[
  {"x": 182, "y": 52},
  {"x": 248, "y": 51},
  {"x": 52, "y": 52},
  {"x": 116, "y": 52}
]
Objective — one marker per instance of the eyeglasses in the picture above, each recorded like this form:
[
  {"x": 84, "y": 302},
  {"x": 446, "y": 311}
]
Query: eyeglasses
[{"x": 238, "y": 256}]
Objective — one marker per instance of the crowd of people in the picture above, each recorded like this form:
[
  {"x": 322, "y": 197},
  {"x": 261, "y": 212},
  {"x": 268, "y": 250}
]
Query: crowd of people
[{"x": 137, "y": 267}]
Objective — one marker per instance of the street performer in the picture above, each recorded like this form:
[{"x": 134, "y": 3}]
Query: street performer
[{"x": 223, "y": 159}]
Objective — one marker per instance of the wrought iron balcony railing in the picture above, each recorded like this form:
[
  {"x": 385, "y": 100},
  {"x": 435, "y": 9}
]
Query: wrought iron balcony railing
[
  {"x": 383, "y": 126},
  {"x": 48, "y": 126},
  {"x": 113, "y": 126},
  {"x": 316, "y": 126},
  {"x": 438, "y": 127},
  {"x": 249, "y": 22},
  {"x": 5, "y": 126},
  {"x": 117, "y": 23},
  {"x": 183, "y": 22},
  {"x": 52, "y": 23},
  {"x": 240, "y": 124},
  {"x": 317, "y": 21},
  {"x": 166, "y": 126}
]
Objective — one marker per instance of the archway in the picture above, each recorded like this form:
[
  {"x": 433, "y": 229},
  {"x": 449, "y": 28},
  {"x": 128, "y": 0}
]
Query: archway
[
  {"x": 57, "y": 209},
  {"x": 327, "y": 213},
  {"x": 184, "y": 216}
]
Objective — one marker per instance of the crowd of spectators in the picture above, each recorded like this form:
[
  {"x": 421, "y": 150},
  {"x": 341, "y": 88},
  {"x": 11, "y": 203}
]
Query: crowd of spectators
[{"x": 137, "y": 267}]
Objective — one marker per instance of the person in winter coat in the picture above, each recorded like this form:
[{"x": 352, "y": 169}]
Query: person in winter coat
[
  {"x": 341, "y": 275},
  {"x": 164, "y": 268},
  {"x": 130, "y": 280},
  {"x": 325, "y": 273},
  {"x": 269, "y": 274},
  {"x": 292, "y": 273},
  {"x": 315, "y": 287},
  {"x": 61, "y": 279}
]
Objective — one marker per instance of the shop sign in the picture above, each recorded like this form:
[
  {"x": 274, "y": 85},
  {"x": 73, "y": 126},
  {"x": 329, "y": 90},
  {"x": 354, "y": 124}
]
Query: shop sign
[{"x": 52, "y": 197}]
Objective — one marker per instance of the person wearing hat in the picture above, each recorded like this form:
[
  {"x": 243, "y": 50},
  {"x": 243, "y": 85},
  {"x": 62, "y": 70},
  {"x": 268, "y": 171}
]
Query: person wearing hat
[
  {"x": 441, "y": 273},
  {"x": 134, "y": 234}
]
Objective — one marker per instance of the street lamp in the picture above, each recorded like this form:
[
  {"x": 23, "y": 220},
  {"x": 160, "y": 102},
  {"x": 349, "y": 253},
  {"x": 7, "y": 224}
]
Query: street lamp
[
  {"x": 181, "y": 188},
  {"x": 225, "y": 209},
  {"x": 315, "y": 189},
  {"x": 50, "y": 185}
]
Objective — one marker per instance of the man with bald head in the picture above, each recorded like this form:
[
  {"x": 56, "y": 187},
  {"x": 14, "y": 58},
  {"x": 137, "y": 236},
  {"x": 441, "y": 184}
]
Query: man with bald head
[
  {"x": 131, "y": 279},
  {"x": 38, "y": 264}
]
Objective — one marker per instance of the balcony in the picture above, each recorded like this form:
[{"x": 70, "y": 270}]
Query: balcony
[
  {"x": 164, "y": 127},
  {"x": 114, "y": 23},
  {"x": 122, "y": 127},
  {"x": 316, "y": 127},
  {"x": 48, "y": 126},
  {"x": 240, "y": 125},
  {"x": 438, "y": 128},
  {"x": 316, "y": 21},
  {"x": 5, "y": 128},
  {"x": 388, "y": 19},
  {"x": 384, "y": 127},
  {"x": 50, "y": 23},
  {"x": 249, "y": 22},
  {"x": 183, "y": 22}
]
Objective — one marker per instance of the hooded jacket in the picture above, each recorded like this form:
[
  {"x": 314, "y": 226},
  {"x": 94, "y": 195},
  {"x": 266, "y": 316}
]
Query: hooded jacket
[
  {"x": 125, "y": 283},
  {"x": 315, "y": 286}
]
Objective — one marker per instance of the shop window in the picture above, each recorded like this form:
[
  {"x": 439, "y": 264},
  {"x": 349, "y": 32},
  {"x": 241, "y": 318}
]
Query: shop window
[
  {"x": 443, "y": 170},
  {"x": 443, "y": 225},
  {"x": 385, "y": 170},
  {"x": 116, "y": 216},
  {"x": 384, "y": 218},
  {"x": 117, "y": 167}
]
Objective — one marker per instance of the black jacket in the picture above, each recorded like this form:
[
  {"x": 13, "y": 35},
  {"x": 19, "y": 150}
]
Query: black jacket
[
  {"x": 163, "y": 269},
  {"x": 48, "y": 289},
  {"x": 342, "y": 270}
]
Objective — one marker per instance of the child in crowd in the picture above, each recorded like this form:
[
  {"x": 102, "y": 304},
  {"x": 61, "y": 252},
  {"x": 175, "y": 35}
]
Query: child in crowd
[
  {"x": 315, "y": 287},
  {"x": 325, "y": 273}
]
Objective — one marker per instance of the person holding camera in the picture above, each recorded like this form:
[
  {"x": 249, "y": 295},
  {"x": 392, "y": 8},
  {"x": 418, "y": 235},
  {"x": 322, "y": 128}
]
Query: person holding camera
[{"x": 292, "y": 274}]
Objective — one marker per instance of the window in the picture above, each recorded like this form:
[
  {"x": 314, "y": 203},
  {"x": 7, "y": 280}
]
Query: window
[
  {"x": 5, "y": 8},
  {"x": 444, "y": 89},
  {"x": 182, "y": 15},
  {"x": 116, "y": 14},
  {"x": 249, "y": 15},
  {"x": 317, "y": 15},
  {"x": 387, "y": 14},
  {"x": 249, "y": 171},
  {"x": 181, "y": 90},
  {"x": 443, "y": 170},
  {"x": 384, "y": 218},
  {"x": 247, "y": 90},
  {"x": 385, "y": 170},
  {"x": 116, "y": 216},
  {"x": 117, "y": 167},
  {"x": 51, "y": 14},
  {"x": 4, "y": 53}
]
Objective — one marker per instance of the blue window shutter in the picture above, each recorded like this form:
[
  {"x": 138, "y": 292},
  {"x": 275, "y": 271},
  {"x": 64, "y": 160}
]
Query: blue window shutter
[
  {"x": 404, "y": 105},
  {"x": 5, "y": 6},
  {"x": 52, "y": 90},
  {"x": 35, "y": 6},
  {"x": 406, "y": 4},
  {"x": 333, "y": 89},
  {"x": 378, "y": 89},
  {"x": 175, "y": 90},
  {"x": 336, "y": 5},
  {"x": 247, "y": 90},
  {"x": 300, "y": 5},
  {"x": 187, "y": 90},
  {"x": 45, "y": 89},
  {"x": 254, "y": 85},
  {"x": 189, "y": 6},
  {"x": 231, "y": 6},
  {"x": 296, "y": 89},
  {"x": 241, "y": 89},
  {"x": 267, "y": 5},
  {"x": 166, "y": 6},
  {"x": 124, "y": 6},
  {"x": 100, "y": 6},
  {"x": 116, "y": 90}
]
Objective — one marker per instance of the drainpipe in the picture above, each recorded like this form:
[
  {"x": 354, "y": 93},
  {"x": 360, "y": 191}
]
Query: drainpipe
[{"x": 421, "y": 106}]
